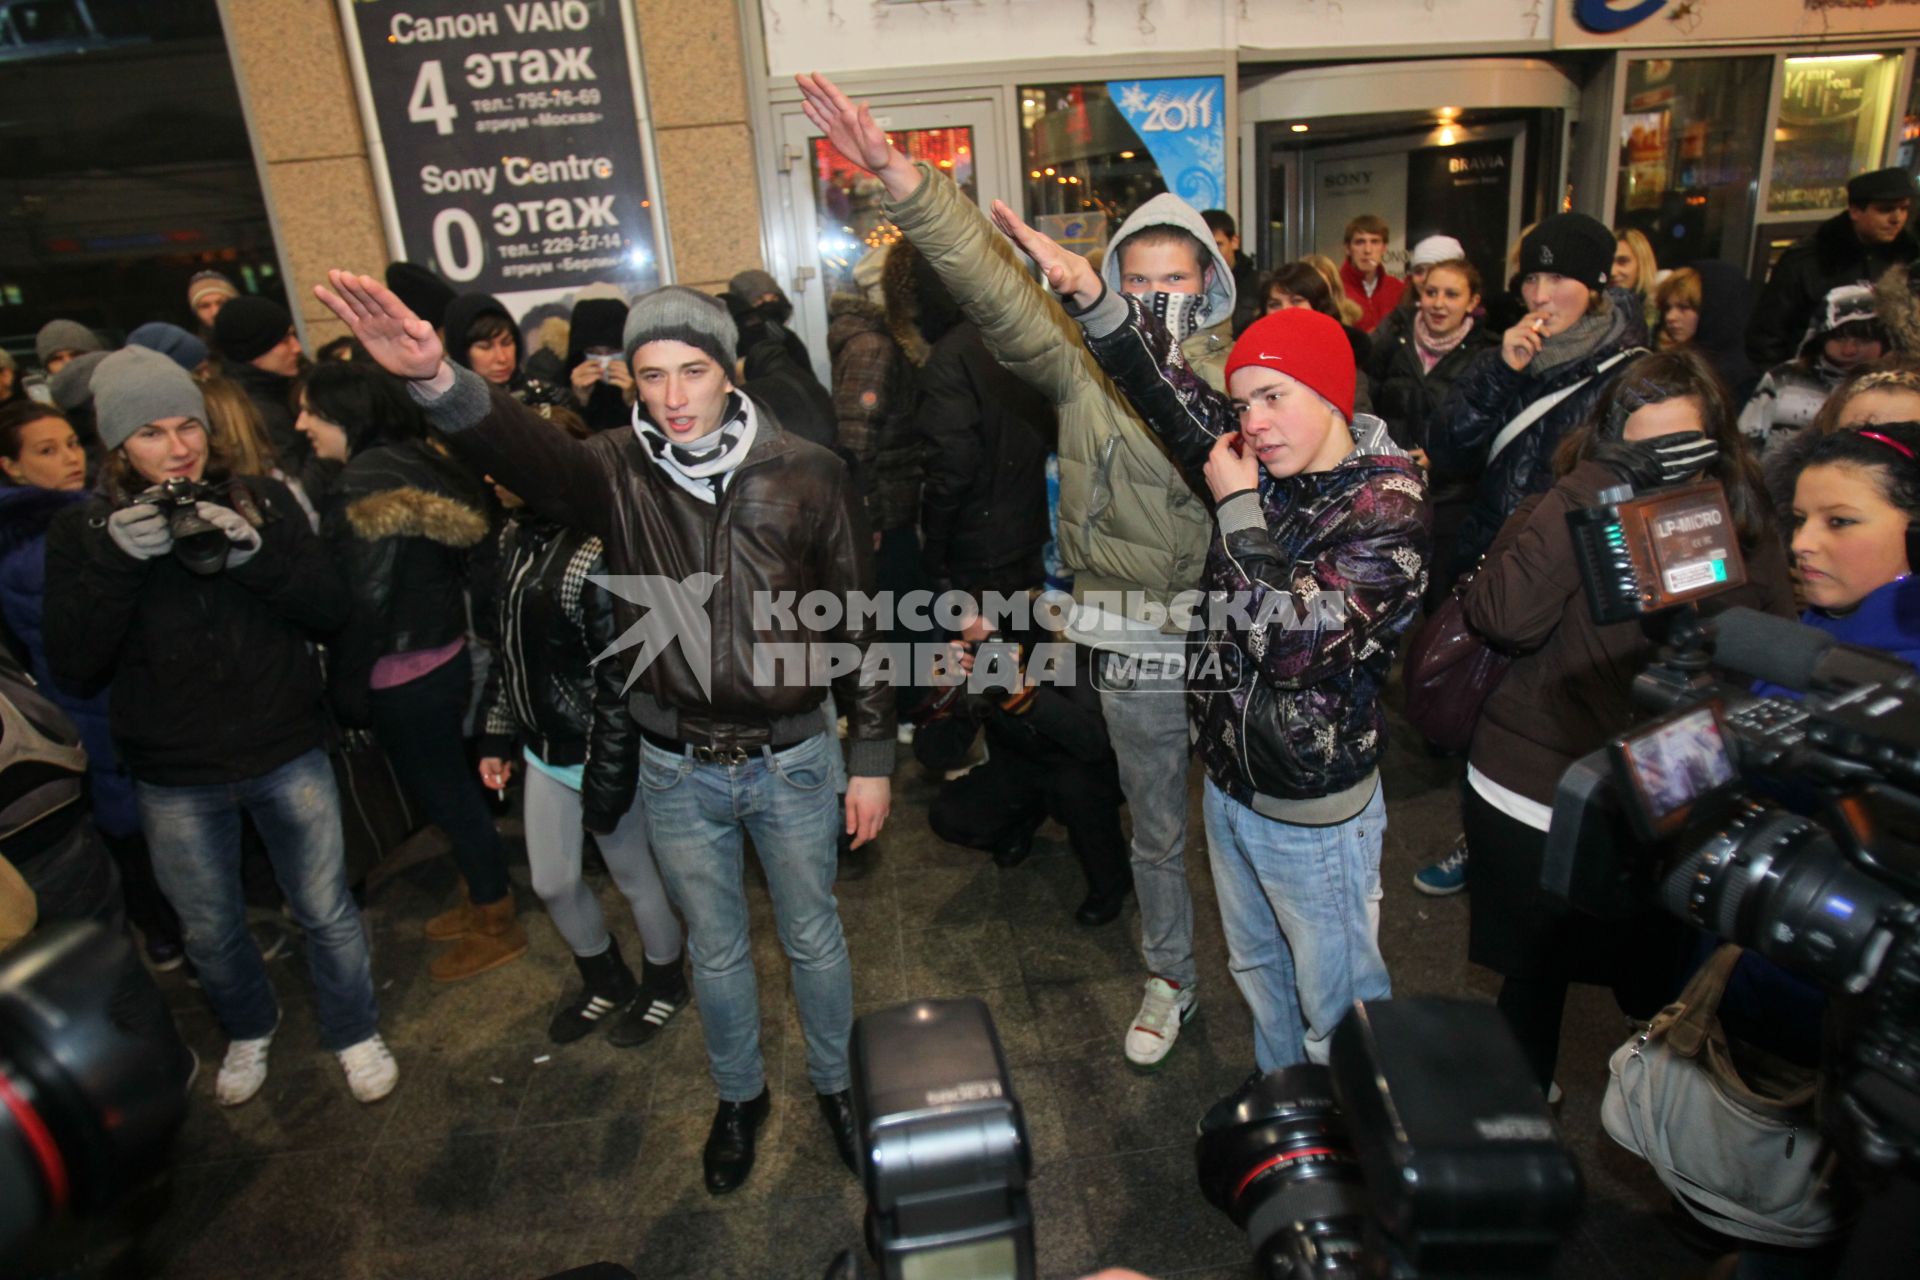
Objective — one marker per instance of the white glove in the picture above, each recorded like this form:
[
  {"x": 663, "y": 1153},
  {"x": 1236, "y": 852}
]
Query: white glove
[
  {"x": 244, "y": 537},
  {"x": 140, "y": 531}
]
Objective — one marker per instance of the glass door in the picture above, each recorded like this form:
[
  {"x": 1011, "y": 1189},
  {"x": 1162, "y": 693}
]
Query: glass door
[{"x": 840, "y": 232}]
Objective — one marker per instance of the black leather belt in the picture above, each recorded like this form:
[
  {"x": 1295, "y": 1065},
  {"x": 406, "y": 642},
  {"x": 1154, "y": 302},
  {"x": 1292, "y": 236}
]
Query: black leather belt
[{"x": 733, "y": 749}]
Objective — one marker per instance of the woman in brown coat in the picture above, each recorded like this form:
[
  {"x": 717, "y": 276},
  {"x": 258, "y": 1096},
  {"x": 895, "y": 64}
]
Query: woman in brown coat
[{"x": 1664, "y": 420}]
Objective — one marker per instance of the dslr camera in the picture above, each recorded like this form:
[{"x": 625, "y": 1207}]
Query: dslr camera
[
  {"x": 198, "y": 544},
  {"x": 1790, "y": 827},
  {"x": 1424, "y": 1150}
]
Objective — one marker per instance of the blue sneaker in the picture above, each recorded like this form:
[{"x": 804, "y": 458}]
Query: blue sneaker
[{"x": 1447, "y": 876}]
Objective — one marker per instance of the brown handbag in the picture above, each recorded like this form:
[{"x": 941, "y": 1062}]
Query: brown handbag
[{"x": 1450, "y": 670}]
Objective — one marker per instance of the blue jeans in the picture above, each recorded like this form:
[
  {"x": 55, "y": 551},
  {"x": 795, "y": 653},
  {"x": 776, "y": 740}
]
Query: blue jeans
[
  {"x": 697, "y": 815},
  {"x": 1297, "y": 906},
  {"x": 194, "y": 833}
]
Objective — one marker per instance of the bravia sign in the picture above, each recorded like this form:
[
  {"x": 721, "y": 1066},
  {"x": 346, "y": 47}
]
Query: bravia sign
[{"x": 508, "y": 139}]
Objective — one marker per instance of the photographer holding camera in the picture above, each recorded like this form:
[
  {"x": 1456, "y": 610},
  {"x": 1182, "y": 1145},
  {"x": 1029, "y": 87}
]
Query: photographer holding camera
[
  {"x": 1662, "y": 421},
  {"x": 1048, "y": 755},
  {"x": 216, "y": 702}
]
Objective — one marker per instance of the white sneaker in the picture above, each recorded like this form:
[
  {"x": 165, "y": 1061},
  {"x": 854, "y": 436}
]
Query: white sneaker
[
  {"x": 243, "y": 1072},
  {"x": 371, "y": 1070},
  {"x": 1164, "y": 1011}
]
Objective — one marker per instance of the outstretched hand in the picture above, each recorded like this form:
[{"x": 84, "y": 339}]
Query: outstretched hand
[
  {"x": 1068, "y": 274},
  {"x": 399, "y": 341},
  {"x": 856, "y": 135}
]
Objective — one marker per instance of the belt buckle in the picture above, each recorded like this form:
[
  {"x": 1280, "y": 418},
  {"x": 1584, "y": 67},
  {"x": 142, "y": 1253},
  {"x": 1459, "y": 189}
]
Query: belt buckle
[{"x": 734, "y": 755}]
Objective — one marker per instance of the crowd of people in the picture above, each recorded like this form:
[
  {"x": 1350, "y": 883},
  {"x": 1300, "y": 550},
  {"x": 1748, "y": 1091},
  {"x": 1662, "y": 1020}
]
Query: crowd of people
[{"x": 218, "y": 556}]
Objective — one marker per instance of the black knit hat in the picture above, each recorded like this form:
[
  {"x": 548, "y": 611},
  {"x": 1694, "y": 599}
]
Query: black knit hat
[
  {"x": 596, "y": 322},
  {"x": 249, "y": 327},
  {"x": 425, "y": 293},
  {"x": 1881, "y": 184},
  {"x": 1571, "y": 245}
]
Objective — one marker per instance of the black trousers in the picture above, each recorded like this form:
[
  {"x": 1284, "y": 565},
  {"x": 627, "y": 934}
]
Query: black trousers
[
  {"x": 418, "y": 723},
  {"x": 1013, "y": 793}
]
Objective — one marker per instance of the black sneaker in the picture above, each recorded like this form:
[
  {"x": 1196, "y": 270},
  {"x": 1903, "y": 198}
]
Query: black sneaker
[
  {"x": 663, "y": 993},
  {"x": 608, "y": 990},
  {"x": 1221, "y": 1114}
]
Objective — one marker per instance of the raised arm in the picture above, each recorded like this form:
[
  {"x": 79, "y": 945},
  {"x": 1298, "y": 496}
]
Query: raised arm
[
  {"x": 1136, "y": 350},
  {"x": 1023, "y": 326},
  {"x": 562, "y": 478}
]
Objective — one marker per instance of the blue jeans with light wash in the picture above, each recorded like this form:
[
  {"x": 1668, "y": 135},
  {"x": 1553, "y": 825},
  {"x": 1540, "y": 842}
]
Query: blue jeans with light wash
[
  {"x": 697, "y": 818},
  {"x": 1298, "y": 907},
  {"x": 194, "y": 833}
]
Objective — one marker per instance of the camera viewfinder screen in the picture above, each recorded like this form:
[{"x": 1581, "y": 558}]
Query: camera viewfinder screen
[
  {"x": 1674, "y": 764},
  {"x": 992, "y": 1259}
]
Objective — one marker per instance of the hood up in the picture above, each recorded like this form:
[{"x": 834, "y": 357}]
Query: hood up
[{"x": 1171, "y": 211}]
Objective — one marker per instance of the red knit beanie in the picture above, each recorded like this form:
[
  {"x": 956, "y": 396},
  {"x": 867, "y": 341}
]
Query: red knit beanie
[{"x": 1304, "y": 345}]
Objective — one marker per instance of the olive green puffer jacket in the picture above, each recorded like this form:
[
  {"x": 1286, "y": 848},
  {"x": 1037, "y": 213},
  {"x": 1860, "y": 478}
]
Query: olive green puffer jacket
[{"x": 1129, "y": 522}]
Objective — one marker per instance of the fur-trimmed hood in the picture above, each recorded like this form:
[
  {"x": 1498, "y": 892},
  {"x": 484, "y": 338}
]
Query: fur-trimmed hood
[
  {"x": 416, "y": 513},
  {"x": 1898, "y": 308},
  {"x": 411, "y": 491}
]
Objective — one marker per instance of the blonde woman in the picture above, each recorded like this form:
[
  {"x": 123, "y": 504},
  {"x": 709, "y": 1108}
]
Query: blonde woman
[{"x": 1636, "y": 271}]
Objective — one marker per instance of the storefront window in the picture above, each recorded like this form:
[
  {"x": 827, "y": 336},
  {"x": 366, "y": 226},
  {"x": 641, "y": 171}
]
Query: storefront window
[
  {"x": 1832, "y": 125},
  {"x": 847, "y": 200},
  {"x": 124, "y": 168},
  {"x": 1093, "y": 153},
  {"x": 1910, "y": 125},
  {"x": 1690, "y": 155}
]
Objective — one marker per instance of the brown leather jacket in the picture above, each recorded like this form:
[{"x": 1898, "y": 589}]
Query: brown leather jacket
[
  {"x": 783, "y": 528},
  {"x": 1569, "y": 690}
]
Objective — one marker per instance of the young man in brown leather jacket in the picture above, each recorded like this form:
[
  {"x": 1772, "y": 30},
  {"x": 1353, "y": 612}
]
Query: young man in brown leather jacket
[{"x": 711, "y": 515}]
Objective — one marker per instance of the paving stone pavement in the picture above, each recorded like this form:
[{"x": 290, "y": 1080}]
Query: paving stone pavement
[{"x": 505, "y": 1157}]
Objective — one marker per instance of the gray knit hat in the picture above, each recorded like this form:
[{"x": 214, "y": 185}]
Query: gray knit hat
[
  {"x": 752, "y": 285},
  {"x": 72, "y": 387},
  {"x": 679, "y": 314},
  {"x": 64, "y": 335},
  {"x": 135, "y": 386}
]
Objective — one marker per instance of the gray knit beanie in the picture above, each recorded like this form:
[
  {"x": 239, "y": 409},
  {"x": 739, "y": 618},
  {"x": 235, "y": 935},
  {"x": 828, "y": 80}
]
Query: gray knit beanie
[
  {"x": 72, "y": 387},
  {"x": 679, "y": 314},
  {"x": 64, "y": 335},
  {"x": 135, "y": 386}
]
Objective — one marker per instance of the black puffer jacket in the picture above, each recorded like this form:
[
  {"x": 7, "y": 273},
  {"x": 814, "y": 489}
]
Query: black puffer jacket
[
  {"x": 1830, "y": 257},
  {"x": 984, "y": 513},
  {"x": 543, "y": 693},
  {"x": 1405, "y": 393},
  {"x": 1489, "y": 395},
  {"x": 400, "y": 525},
  {"x": 213, "y": 678}
]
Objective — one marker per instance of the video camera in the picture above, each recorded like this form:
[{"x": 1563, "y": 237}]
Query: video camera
[
  {"x": 1425, "y": 1150},
  {"x": 1791, "y": 828}
]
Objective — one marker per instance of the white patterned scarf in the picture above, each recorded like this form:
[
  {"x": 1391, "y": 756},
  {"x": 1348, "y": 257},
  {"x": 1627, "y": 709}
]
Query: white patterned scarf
[{"x": 704, "y": 467}]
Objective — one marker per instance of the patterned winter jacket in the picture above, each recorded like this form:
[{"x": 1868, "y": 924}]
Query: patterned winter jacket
[{"x": 1284, "y": 693}]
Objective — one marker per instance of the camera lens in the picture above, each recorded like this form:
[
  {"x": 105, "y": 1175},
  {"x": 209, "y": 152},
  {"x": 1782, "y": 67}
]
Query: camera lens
[
  {"x": 1282, "y": 1168},
  {"x": 1777, "y": 883}
]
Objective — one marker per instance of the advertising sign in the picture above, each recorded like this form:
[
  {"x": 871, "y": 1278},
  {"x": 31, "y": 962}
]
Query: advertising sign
[
  {"x": 1183, "y": 124},
  {"x": 1621, "y": 23},
  {"x": 508, "y": 140}
]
